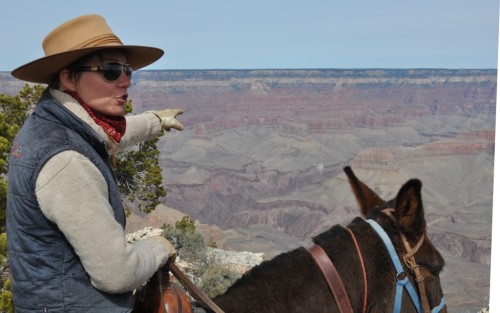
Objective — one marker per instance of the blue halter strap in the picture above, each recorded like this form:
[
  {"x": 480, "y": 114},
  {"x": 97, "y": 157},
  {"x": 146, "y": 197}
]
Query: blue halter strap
[{"x": 402, "y": 279}]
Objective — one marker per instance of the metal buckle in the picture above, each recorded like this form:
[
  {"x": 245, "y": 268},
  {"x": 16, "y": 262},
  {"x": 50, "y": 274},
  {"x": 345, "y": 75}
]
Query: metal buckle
[{"x": 401, "y": 275}]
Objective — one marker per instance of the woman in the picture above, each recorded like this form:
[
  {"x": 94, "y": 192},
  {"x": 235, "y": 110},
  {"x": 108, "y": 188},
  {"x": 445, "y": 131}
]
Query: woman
[{"x": 65, "y": 220}]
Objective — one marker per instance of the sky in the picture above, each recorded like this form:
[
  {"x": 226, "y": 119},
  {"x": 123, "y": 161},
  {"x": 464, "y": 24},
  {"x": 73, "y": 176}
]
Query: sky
[{"x": 256, "y": 34}]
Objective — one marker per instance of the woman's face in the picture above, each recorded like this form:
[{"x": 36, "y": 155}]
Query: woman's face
[{"x": 102, "y": 96}]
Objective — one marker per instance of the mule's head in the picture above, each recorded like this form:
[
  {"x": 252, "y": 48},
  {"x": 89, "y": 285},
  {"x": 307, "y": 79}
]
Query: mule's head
[{"x": 407, "y": 220}]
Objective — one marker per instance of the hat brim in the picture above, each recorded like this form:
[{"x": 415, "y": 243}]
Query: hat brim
[{"x": 41, "y": 70}]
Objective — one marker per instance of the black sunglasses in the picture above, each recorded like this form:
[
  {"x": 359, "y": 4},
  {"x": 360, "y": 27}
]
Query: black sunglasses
[{"x": 111, "y": 71}]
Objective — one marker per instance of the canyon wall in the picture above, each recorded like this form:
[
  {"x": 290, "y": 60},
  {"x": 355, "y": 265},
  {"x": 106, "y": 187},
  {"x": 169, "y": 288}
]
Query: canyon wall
[
  {"x": 259, "y": 164},
  {"x": 263, "y": 151}
]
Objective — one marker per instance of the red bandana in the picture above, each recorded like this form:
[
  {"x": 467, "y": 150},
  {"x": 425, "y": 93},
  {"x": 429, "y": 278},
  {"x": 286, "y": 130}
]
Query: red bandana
[{"x": 114, "y": 126}]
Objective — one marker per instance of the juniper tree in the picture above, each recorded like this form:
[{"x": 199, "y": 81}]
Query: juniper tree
[{"x": 13, "y": 112}]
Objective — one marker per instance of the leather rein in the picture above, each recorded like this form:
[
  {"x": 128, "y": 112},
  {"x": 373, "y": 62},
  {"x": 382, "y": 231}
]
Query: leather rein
[
  {"x": 339, "y": 292},
  {"x": 194, "y": 290},
  {"x": 333, "y": 278}
]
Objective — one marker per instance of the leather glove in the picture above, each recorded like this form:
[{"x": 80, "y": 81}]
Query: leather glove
[
  {"x": 168, "y": 119},
  {"x": 172, "y": 254}
]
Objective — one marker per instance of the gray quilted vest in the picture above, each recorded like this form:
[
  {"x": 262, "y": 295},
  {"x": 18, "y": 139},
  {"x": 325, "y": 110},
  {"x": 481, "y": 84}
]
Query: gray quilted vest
[{"x": 47, "y": 275}]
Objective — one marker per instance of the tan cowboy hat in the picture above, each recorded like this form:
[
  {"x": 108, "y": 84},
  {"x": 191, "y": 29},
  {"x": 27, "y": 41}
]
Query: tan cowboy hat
[{"x": 75, "y": 39}]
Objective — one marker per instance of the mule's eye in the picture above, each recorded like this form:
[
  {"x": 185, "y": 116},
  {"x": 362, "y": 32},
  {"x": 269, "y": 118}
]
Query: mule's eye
[
  {"x": 436, "y": 273},
  {"x": 430, "y": 274}
]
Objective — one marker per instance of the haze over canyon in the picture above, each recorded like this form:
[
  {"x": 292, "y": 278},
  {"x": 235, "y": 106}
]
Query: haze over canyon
[{"x": 260, "y": 161}]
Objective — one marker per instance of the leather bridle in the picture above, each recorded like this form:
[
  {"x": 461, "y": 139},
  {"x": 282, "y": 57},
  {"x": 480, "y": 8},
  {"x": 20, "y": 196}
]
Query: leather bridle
[
  {"x": 422, "y": 303},
  {"x": 339, "y": 292}
]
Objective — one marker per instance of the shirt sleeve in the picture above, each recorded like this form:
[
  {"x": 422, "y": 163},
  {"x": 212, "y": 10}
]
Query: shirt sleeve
[
  {"x": 141, "y": 127},
  {"x": 73, "y": 194}
]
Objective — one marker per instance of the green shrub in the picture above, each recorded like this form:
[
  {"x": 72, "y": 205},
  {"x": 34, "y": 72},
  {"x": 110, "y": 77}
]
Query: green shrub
[
  {"x": 3, "y": 248},
  {"x": 189, "y": 244},
  {"x": 212, "y": 277},
  {"x": 6, "y": 304},
  {"x": 217, "y": 278},
  {"x": 186, "y": 225}
]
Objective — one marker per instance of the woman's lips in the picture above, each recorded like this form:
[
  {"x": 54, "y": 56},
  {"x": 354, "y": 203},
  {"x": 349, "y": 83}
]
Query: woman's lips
[{"x": 122, "y": 99}]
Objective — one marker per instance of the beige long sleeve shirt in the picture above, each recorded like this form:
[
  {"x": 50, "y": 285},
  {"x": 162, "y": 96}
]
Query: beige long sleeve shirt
[{"x": 73, "y": 194}]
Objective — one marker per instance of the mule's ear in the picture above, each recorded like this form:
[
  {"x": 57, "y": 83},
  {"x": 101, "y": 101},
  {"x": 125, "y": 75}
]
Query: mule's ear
[
  {"x": 365, "y": 197},
  {"x": 410, "y": 210}
]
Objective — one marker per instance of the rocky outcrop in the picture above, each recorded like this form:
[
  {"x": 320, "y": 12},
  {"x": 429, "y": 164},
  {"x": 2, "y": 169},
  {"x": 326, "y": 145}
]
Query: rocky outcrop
[{"x": 236, "y": 261}]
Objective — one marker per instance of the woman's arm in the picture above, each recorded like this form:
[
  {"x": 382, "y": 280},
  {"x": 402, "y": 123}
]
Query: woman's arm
[
  {"x": 141, "y": 127},
  {"x": 73, "y": 194}
]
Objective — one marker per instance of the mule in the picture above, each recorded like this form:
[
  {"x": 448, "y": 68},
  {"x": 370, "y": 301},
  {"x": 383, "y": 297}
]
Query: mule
[{"x": 293, "y": 282}]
